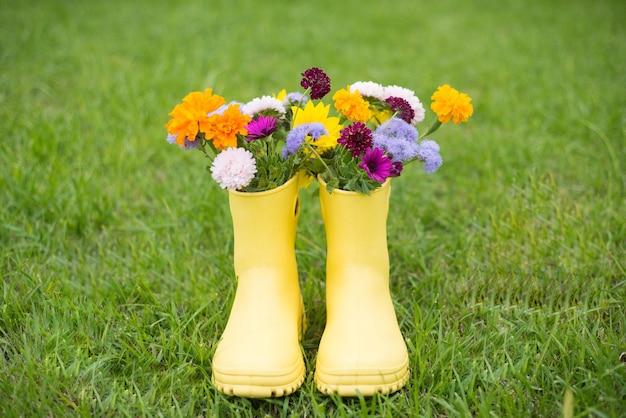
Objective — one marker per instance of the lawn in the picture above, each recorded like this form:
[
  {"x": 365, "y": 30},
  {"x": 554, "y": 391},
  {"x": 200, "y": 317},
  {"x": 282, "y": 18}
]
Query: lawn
[{"x": 508, "y": 265}]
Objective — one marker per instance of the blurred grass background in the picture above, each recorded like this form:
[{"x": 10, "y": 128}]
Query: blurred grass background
[{"x": 508, "y": 264}]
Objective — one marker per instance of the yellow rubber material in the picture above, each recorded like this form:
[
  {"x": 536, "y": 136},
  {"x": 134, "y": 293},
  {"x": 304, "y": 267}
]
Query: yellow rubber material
[
  {"x": 259, "y": 354},
  {"x": 362, "y": 349}
]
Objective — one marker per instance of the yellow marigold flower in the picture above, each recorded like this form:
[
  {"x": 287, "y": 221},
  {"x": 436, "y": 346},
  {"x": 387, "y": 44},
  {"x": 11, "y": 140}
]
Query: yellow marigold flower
[
  {"x": 190, "y": 116},
  {"x": 352, "y": 105},
  {"x": 223, "y": 129},
  {"x": 448, "y": 104},
  {"x": 319, "y": 113}
]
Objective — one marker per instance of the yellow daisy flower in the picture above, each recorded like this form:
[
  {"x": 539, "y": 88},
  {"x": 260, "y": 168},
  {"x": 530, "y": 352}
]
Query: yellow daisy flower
[
  {"x": 319, "y": 113},
  {"x": 281, "y": 95}
]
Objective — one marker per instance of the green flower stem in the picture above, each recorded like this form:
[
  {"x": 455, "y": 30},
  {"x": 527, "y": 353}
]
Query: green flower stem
[
  {"x": 202, "y": 147},
  {"x": 405, "y": 163},
  {"x": 321, "y": 160},
  {"x": 298, "y": 106},
  {"x": 433, "y": 127}
]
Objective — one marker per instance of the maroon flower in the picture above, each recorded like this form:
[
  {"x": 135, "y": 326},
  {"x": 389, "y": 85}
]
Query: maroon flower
[
  {"x": 317, "y": 81},
  {"x": 396, "y": 169},
  {"x": 376, "y": 164},
  {"x": 356, "y": 137},
  {"x": 259, "y": 128},
  {"x": 402, "y": 108}
]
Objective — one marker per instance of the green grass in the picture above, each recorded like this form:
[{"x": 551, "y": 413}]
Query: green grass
[{"x": 507, "y": 265}]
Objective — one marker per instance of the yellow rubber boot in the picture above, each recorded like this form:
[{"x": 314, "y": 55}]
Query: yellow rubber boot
[
  {"x": 362, "y": 349},
  {"x": 259, "y": 353}
]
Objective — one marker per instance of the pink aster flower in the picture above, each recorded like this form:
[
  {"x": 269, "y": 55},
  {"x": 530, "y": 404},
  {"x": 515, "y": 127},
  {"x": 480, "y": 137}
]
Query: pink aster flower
[
  {"x": 317, "y": 81},
  {"x": 233, "y": 168},
  {"x": 261, "y": 127},
  {"x": 376, "y": 164}
]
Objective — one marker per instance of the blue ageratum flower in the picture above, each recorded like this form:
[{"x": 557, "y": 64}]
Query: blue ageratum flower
[
  {"x": 294, "y": 98},
  {"x": 397, "y": 138},
  {"x": 428, "y": 153},
  {"x": 188, "y": 144},
  {"x": 297, "y": 135}
]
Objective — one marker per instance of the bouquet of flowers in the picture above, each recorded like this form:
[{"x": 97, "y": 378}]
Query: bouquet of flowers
[{"x": 261, "y": 144}]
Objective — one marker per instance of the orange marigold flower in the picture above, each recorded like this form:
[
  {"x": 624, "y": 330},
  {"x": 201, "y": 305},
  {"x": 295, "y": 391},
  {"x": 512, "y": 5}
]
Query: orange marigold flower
[
  {"x": 448, "y": 104},
  {"x": 205, "y": 101},
  {"x": 190, "y": 116},
  {"x": 184, "y": 124},
  {"x": 223, "y": 129},
  {"x": 352, "y": 105}
]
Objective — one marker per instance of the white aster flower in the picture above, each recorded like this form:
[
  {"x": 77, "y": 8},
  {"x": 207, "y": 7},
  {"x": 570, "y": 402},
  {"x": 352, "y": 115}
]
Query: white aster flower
[
  {"x": 259, "y": 104},
  {"x": 233, "y": 168},
  {"x": 368, "y": 89},
  {"x": 410, "y": 97}
]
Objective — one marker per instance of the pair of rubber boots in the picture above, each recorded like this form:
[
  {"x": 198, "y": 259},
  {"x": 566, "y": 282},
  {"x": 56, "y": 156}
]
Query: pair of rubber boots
[{"x": 362, "y": 350}]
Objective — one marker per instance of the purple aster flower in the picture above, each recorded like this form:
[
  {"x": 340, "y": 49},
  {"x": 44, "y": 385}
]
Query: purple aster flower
[
  {"x": 317, "y": 81},
  {"x": 402, "y": 108},
  {"x": 396, "y": 169},
  {"x": 398, "y": 138},
  {"x": 261, "y": 127},
  {"x": 376, "y": 164},
  {"x": 297, "y": 135},
  {"x": 428, "y": 153},
  {"x": 356, "y": 137},
  {"x": 295, "y": 98}
]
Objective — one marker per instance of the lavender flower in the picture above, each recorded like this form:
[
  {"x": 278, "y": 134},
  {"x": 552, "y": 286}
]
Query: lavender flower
[
  {"x": 398, "y": 138},
  {"x": 428, "y": 153},
  {"x": 261, "y": 127},
  {"x": 317, "y": 81},
  {"x": 376, "y": 164},
  {"x": 298, "y": 134}
]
